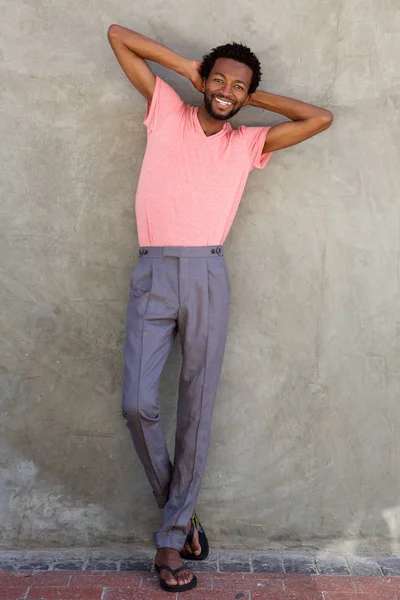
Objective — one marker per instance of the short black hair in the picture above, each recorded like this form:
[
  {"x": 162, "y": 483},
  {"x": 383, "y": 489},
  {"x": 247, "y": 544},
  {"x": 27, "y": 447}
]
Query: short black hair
[{"x": 237, "y": 52}]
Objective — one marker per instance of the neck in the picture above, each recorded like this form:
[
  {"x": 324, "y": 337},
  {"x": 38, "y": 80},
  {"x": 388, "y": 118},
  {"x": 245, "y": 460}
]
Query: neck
[{"x": 209, "y": 125}]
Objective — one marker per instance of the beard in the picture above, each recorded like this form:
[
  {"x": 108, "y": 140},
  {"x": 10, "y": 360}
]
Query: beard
[{"x": 214, "y": 115}]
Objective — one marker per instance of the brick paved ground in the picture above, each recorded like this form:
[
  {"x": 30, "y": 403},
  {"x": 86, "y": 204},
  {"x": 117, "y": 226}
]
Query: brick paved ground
[
  {"x": 105, "y": 585},
  {"x": 79, "y": 575}
]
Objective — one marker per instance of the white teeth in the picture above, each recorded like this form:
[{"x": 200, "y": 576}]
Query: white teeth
[{"x": 223, "y": 102}]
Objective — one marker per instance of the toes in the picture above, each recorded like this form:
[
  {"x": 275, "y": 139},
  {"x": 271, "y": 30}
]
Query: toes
[
  {"x": 196, "y": 548},
  {"x": 170, "y": 580},
  {"x": 184, "y": 578},
  {"x": 181, "y": 579}
]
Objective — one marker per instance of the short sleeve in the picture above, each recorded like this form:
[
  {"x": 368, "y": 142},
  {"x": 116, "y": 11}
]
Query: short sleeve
[
  {"x": 255, "y": 139},
  {"x": 165, "y": 104}
]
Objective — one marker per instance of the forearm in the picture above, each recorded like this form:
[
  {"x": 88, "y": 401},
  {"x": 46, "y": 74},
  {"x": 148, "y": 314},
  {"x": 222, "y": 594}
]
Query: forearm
[
  {"x": 296, "y": 110},
  {"x": 149, "y": 49}
]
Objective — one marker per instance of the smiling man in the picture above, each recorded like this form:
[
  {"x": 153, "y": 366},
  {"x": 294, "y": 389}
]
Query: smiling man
[{"x": 193, "y": 175}]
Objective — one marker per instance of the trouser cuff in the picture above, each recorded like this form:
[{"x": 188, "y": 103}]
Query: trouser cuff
[{"x": 174, "y": 540}]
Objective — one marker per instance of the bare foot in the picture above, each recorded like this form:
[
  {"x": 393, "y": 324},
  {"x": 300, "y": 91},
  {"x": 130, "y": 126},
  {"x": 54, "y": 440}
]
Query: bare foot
[
  {"x": 170, "y": 557},
  {"x": 194, "y": 547}
]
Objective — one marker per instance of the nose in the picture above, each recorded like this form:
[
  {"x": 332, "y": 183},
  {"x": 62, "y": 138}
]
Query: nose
[{"x": 226, "y": 90}]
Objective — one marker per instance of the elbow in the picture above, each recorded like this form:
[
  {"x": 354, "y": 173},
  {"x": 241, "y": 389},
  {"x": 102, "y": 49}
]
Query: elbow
[
  {"x": 326, "y": 119},
  {"x": 112, "y": 31},
  {"x": 321, "y": 120}
]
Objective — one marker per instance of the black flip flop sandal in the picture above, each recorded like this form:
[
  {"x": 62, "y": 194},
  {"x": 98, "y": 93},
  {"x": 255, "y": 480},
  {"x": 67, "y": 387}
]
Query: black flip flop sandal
[
  {"x": 195, "y": 524},
  {"x": 175, "y": 588}
]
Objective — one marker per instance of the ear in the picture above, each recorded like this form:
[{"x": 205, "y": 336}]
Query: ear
[{"x": 203, "y": 85}]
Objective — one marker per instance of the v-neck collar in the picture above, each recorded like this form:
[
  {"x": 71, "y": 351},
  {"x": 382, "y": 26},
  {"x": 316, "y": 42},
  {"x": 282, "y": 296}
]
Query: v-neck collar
[{"x": 199, "y": 128}]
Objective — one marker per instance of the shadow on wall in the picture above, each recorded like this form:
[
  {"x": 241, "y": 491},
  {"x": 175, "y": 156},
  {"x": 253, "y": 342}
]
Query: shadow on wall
[
  {"x": 73, "y": 477},
  {"x": 69, "y": 472}
]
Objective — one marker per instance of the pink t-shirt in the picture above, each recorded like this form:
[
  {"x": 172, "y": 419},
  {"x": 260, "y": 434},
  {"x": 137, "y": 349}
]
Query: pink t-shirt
[{"x": 190, "y": 185}]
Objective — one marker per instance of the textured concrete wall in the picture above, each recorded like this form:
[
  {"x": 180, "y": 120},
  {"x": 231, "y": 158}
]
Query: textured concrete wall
[{"x": 305, "y": 443}]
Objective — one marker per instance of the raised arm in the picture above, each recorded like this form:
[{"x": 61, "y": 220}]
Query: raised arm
[
  {"x": 307, "y": 120},
  {"x": 133, "y": 49}
]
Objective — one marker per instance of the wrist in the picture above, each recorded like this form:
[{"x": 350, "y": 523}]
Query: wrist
[
  {"x": 186, "y": 68},
  {"x": 255, "y": 99}
]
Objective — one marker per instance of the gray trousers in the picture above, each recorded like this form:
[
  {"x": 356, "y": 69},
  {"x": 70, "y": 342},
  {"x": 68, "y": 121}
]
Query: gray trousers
[{"x": 173, "y": 289}]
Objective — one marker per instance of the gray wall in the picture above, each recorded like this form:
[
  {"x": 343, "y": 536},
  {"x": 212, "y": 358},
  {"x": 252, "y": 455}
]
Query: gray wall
[{"x": 305, "y": 443}]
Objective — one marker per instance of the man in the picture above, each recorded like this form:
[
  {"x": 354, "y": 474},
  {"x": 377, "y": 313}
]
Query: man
[{"x": 192, "y": 178}]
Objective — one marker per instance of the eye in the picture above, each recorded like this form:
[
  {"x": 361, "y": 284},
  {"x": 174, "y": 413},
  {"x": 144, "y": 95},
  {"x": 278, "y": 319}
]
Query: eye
[
  {"x": 216, "y": 79},
  {"x": 239, "y": 87}
]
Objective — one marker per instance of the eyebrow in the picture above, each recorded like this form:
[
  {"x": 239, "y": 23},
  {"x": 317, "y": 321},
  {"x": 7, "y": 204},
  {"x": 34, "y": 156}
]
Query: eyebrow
[{"x": 237, "y": 80}]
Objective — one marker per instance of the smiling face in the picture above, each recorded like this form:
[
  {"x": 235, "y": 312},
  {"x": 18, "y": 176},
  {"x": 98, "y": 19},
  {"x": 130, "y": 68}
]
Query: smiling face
[{"x": 226, "y": 88}]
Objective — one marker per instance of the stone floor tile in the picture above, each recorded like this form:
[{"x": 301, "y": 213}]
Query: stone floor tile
[
  {"x": 390, "y": 565},
  {"x": 12, "y": 555},
  {"x": 303, "y": 564},
  {"x": 208, "y": 565},
  {"x": 267, "y": 563},
  {"x": 7, "y": 564},
  {"x": 138, "y": 562},
  {"x": 363, "y": 566},
  {"x": 234, "y": 563},
  {"x": 38, "y": 564},
  {"x": 115, "y": 554},
  {"x": 98, "y": 564},
  {"x": 331, "y": 564},
  {"x": 68, "y": 565}
]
